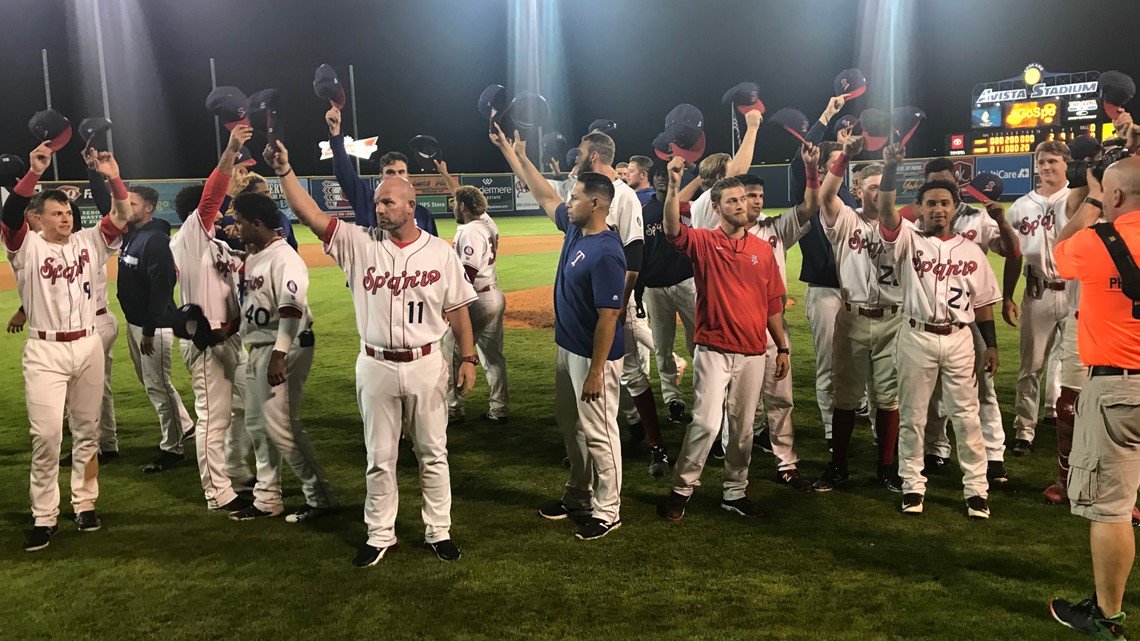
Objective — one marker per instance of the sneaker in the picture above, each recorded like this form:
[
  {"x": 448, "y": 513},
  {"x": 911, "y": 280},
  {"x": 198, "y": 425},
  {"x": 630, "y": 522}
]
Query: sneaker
[
  {"x": 933, "y": 464},
  {"x": 864, "y": 411},
  {"x": 236, "y": 505},
  {"x": 566, "y": 462},
  {"x": 596, "y": 529},
  {"x": 165, "y": 461},
  {"x": 39, "y": 537},
  {"x": 557, "y": 511},
  {"x": 188, "y": 435},
  {"x": 1055, "y": 495},
  {"x": 88, "y": 521},
  {"x": 367, "y": 556},
  {"x": 495, "y": 418},
  {"x": 1086, "y": 617},
  {"x": 912, "y": 503},
  {"x": 1022, "y": 447},
  {"x": 636, "y": 433},
  {"x": 243, "y": 485},
  {"x": 108, "y": 456},
  {"x": 677, "y": 412},
  {"x": 833, "y": 476},
  {"x": 253, "y": 512},
  {"x": 658, "y": 461},
  {"x": 743, "y": 507},
  {"x": 762, "y": 440},
  {"x": 830, "y": 450},
  {"x": 793, "y": 479},
  {"x": 445, "y": 550},
  {"x": 308, "y": 513},
  {"x": 717, "y": 449},
  {"x": 977, "y": 508},
  {"x": 888, "y": 476},
  {"x": 673, "y": 509},
  {"x": 996, "y": 474},
  {"x": 65, "y": 461}
]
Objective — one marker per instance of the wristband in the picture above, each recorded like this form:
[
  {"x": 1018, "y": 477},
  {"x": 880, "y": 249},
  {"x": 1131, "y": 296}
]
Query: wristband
[
  {"x": 887, "y": 183},
  {"x": 812, "y": 176},
  {"x": 473, "y": 359},
  {"x": 118, "y": 189},
  {"x": 27, "y": 185},
  {"x": 286, "y": 173},
  {"x": 839, "y": 167},
  {"x": 988, "y": 332},
  {"x": 1095, "y": 203},
  {"x": 784, "y": 350}
]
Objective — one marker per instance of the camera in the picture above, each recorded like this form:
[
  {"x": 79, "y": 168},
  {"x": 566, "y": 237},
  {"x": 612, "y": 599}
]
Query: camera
[{"x": 1096, "y": 158}]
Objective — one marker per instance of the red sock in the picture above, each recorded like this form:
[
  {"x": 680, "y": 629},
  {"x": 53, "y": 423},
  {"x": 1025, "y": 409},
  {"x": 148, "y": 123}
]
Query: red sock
[
  {"x": 842, "y": 427},
  {"x": 887, "y": 430},
  {"x": 647, "y": 409}
]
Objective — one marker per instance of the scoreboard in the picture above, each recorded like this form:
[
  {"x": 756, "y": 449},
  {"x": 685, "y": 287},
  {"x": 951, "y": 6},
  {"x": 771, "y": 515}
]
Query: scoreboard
[{"x": 1013, "y": 141}]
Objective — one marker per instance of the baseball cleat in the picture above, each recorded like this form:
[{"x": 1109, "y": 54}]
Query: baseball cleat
[
  {"x": 864, "y": 411},
  {"x": 445, "y": 550},
  {"x": 188, "y": 434},
  {"x": 889, "y": 478},
  {"x": 658, "y": 461},
  {"x": 253, "y": 512},
  {"x": 912, "y": 503},
  {"x": 495, "y": 418},
  {"x": 165, "y": 461},
  {"x": 996, "y": 474},
  {"x": 39, "y": 537},
  {"x": 1055, "y": 495},
  {"x": 236, "y": 505},
  {"x": 762, "y": 440},
  {"x": 833, "y": 476},
  {"x": 308, "y": 513},
  {"x": 108, "y": 456},
  {"x": 673, "y": 509},
  {"x": 367, "y": 556},
  {"x": 1086, "y": 617},
  {"x": 596, "y": 529},
  {"x": 88, "y": 521},
  {"x": 717, "y": 449},
  {"x": 636, "y": 433},
  {"x": 977, "y": 508},
  {"x": 793, "y": 479},
  {"x": 557, "y": 511},
  {"x": 1022, "y": 447},
  {"x": 677, "y": 412},
  {"x": 743, "y": 507}
]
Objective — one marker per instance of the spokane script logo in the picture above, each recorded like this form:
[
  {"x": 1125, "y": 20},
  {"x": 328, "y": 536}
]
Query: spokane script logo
[
  {"x": 397, "y": 283},
  {"x": 56, "y": 271},
  {"x": 942, "y": 271},
  {"x": 858, "y": 242},
  {"x": 1029, "y": 227}
]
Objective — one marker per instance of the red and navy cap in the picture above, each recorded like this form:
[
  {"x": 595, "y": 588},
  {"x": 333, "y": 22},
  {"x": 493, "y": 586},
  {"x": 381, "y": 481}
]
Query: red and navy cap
[
  {"x": 229, "y": 104},
  {"x": 264, "y": 112},
  {"x": 745, "y": 97},
  {"x": 985, "y": 187},
  {"x": 1116, "y": 88},
  {"x": 684, "y": 132},
  {"x": 92, "y": 127},
  {"x": 905, "y": 121},
  {"x": 876, "y": 128},
  {"x": 326, "y": 85},
  {"x": 51, "y": 127},
  {"x": 607, "y": 127},
  {"x": 663, "y": 147},
  {"x": 846, "y": 122},
  {"x": 245, "y": 157},
  {"x": 492, "y": 102},
  {"x": 12, "y": 169},
  {"x": 850, "y": 83},
  {"x": 793, "y": 121},
  {"x": 425, "y": 149}
]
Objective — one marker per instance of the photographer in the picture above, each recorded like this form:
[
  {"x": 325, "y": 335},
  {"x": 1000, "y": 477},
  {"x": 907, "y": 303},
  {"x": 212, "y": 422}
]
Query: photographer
[{"x": 1105, "y": 473}]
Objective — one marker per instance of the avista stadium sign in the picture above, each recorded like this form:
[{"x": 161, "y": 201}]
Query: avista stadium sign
[{"x": 1036, "y": 83}]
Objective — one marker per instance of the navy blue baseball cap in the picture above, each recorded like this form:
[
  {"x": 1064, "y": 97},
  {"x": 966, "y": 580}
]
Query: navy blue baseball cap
[
  {"x": 245, "y": 157},
  {"x": 846, "y": 121},
  {"x": 190, "y": 322},
  {"x": 229, "y": 104},
  {"x": 326, "y": 85},
  {"x": 1083, "y": 147},
  {"x": 876, "y": 128},
  {"x": 51, "y": 127},
  {"x": 1116, "y": 88},
  {"x": 745, "y": 97},
  {"x": 572, "y": 157},
  {"x": 985, "y": 187},
  {"x": 793, "y": 121},
  {"x": 607, "y": 127},
  {"x": 425, "y": 149},
  {"x": 264, "y": 111},
  {"x": 684, "y": 132},
  {"x": 850, "y": 83},
  {"x": 92, "y": 127},
  {"x": 905, "y": 121},
  {"x": 12, "y": 169},
  {"x": 554, "y": 145},
  {"x": 492, "y": 102},
  {"x": 528, "y": 110}
]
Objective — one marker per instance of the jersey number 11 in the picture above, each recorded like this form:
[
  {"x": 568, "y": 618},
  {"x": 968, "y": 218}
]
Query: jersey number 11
[{"x": 415, "y": 312}]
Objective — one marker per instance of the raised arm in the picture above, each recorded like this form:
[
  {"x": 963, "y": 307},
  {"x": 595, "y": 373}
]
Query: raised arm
[
  {"x": 100, "y": 192},
  {"x": 357, "y": 191},
  {"x": 672, "y": 217},
  {"x": 686, "y": 193},
  {"x": 218, "y": 183},
  {"x": 108, "y": 167},
  {"x": 448, "y": 179},
  {"x": 809, "y": 156},
  {"x": 297, "y": 196},
  {"x": 743, "y": 158},
  {"x": 1084, "y": 213},
  {"x": 515, "y": 153},
  {"x": 889, "y": 217},
  {"x": 1007, "y": 237},
  {"x": 820, "y": 125},
  {"x": 21, "y": 195},
  {"x": 829, "y": 202}
]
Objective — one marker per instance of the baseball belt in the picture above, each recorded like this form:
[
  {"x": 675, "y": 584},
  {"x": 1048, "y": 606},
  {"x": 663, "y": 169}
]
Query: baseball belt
[
  {"x": 942, "y": 329},
  {"x": 872, "y": 312},
  {"x": 399, "y": 356},
  {"x": 64, "y": 337}
]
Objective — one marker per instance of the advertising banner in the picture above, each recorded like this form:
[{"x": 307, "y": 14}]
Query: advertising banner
[
  {"x": 498, "y": 188},
  {"x": 329, "y": 197},
  {"x": 1016, "y": 171}
]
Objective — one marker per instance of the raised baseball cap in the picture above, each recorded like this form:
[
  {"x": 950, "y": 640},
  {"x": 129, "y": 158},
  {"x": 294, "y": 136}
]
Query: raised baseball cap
[
  {"x": 92, "y": 127},
  {"x": 572, "y": 157},
  {"x": 607, "y": 127},
  {"x": 425, "y": 149},
  {"x": 876, "y": 128},
  {"x": 229, "y": 104},
  {"x": 663, "y": 147},
  {"x": 905, "y": 121},
  {"x": 12, "y": 169},
  {"x": 846, "y": 121},
  {"x": 528, "y": 110},
  {"x": 326, "y": 85},
  {"x": 264, "y": 112},
  {"x": 245, "y": 157},
  {"x": 1083, "y": 147},
  {"x": 554, "y": 145},
  {"x": 850, "y": 83},
  {"x": 51, "y": 127},
  {"x": 745, "y": 97},
  {"x": 189, "y": 322},
  {"x": 793, "y": 121},
  {"x": 985, "y": 187},
  {"x": 1116, "y": 89},
  {"x": 492, "y": 102}
]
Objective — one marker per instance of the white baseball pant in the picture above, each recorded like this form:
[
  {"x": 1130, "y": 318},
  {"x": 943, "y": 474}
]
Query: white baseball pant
[
  {"x": 1042, "y": 322},
  {"x": 989, "y": 412},
  {"x": 823, "y": 306},
  {"x": 154, "y": 373},
  {"x": 390, "y": 392},
  {"x": 590, "y": 433},
  {"x": 865, "y": 360},
  {"x": 487, "y": 325},
  {"x": 777, "y": 404},
  {"x": 663, "y": 304},
  {"x": 635, "y": 366},
  {"x": 272, "y": 422},
  {"x": 721, "y": 382},
  {"x": 923, "y": 358},
  {"x": 218, "y": 378},
  {"x": 58, "y": 374},
  {"x": 107, "y": 326}
]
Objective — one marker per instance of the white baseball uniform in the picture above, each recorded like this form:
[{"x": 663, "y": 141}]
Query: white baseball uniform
[
  {"x": 276, "y": 278},
  {"x": 63, "y": 358},
  {"x": 1034, "y": 217},
  {"x": 702, "y": 213},
  {"x": 625, "y": 217},
  {"x": 943, "y": 281},
  {"x": 208, "y": 274},
  {"x": 401, "y": 293},
  {"x": 477, "y": 245}
]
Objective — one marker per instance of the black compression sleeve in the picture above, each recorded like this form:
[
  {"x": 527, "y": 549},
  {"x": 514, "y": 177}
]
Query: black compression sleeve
[
  {"x": 633, "y": 255},
  {"x": 988, "y": 332}
]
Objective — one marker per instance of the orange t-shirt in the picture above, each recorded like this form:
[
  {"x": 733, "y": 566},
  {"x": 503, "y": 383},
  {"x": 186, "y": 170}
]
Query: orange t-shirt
[{"x": 1107, "y": 332}]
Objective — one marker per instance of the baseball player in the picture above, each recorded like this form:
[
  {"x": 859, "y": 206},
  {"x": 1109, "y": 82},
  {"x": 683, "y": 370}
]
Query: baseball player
[
  {"x": 63, "y": 358},
  {"x": 589, "y": 286},
  {"x": 275, "y": 327},
  {"x": 146, "y": 294},
  {"x": 477, "y": 244},
  {"x": 729, "y": 265},
  {"x": 407, "y": 286},
  {"x": 866, "y": 327},
  {"x": 990, "y": 231},
  {"x": 208, "y": 277},
  {"x": 1044, "y": 306},
  {"x": 947, "y": 285}
]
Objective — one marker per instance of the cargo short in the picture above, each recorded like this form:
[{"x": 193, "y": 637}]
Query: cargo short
[{"x": 1104, "y": 474}]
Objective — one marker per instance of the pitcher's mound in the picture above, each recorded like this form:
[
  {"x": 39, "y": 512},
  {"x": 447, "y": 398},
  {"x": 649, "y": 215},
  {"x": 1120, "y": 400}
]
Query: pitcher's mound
[{"x": 530, "y": 308}]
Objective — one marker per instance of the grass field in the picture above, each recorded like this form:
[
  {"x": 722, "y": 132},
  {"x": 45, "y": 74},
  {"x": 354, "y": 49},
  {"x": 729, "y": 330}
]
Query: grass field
[{"x": 844, "y": 565}]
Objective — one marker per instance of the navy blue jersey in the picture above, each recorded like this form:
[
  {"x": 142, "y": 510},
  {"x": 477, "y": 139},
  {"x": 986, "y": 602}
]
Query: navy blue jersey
[
  {"x": 591, "y": 275},
  {"x": 663, "y": 265}
]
